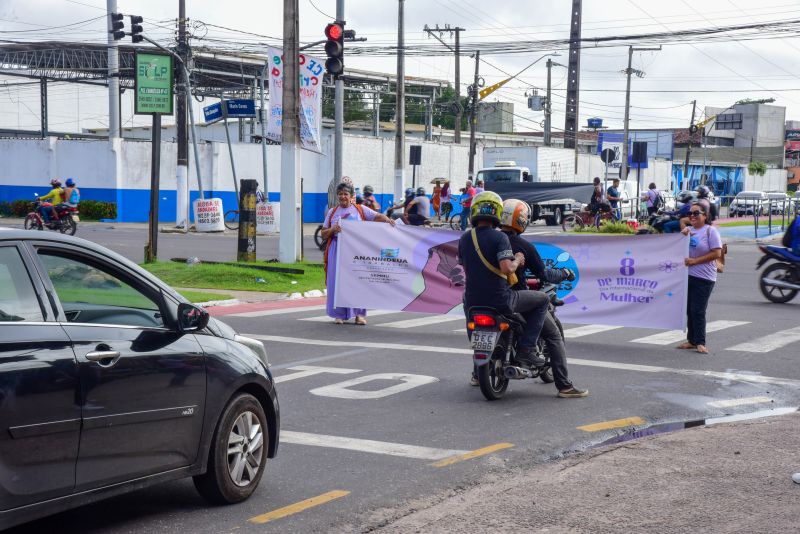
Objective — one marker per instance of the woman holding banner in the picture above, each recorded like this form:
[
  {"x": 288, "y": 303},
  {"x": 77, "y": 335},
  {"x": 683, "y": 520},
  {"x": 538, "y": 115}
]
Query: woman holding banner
[
  {"x": 331, "y": 229},
  {"x": 705, "y": 246}
]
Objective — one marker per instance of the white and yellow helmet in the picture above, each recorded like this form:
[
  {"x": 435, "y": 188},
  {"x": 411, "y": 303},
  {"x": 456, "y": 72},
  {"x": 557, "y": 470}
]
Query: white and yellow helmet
[{"x": 516, "y": 214}]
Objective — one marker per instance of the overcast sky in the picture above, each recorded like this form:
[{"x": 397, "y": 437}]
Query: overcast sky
[{"x": 714, "y": 73}]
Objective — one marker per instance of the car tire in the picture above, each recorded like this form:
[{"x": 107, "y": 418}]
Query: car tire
[
  {"x": 550, "y": 221},
  {"x": 238, "y": 453}
]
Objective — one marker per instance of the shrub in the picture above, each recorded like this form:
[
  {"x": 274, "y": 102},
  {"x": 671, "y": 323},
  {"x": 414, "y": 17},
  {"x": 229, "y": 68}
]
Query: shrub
[
  {"x": 21, "y": 208},
  {"x": 5, "y": 209},
  {"x": 95, "y": 210},
  {"x": 614, "y": 227},
  {"x": 757, "y": 168}
]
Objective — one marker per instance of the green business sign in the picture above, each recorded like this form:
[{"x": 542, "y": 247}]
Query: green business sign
[{"x": 153, "y": 84}]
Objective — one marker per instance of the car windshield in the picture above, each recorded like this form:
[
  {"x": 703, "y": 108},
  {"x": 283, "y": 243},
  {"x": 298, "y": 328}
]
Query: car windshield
[{"x": 499, "y": 175}]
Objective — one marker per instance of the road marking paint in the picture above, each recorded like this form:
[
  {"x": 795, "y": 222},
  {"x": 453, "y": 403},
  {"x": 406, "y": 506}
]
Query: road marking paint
[
  {"x": 739, "y": 402},
  {"x": 589, "y": 329},
  {"x": 264, "y": 313},
  {"x": 368, "y": 445},
  {"x": 608, "y": 425},
  {"x": 770, "y": 342},
  {"x": 327, "y": 319},
  {"x": 424, "y": 321},
  {"x": 748, "y": 416},
  {"x": 473, "y": 454},
  {"x": 298, "y": 507},
  {"x": 674, "y": 336},
  {"x": 309, "y": 370},
  {"x": 342, "y": 390},
  {"x": 383, "y": 347}
]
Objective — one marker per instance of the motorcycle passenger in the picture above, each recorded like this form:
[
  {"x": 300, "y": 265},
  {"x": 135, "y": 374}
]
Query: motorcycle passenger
[
  {"x": 72, "y": 195},
  {"x": 674, "y": 226},
  {"x": 704, "y": 199},
  {"x": 56, "y": 197},
  {"x": 513, "y": 221},
  {"x": 490, "y": 287},
  {"x": 408, "y": 197},
  {"x": 417, "y": 210},
  {"x": 369, "y": 199}
]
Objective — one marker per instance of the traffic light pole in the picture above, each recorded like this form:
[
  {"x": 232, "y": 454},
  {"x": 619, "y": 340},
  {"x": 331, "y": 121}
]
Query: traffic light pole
[
  {"x": 338, "y": 114},
  {"x": 400, "y": 108},
  {"x": 113, "y": 75},
  {"x": 473, "y": 112},
  {"x": 291, "y": 227}
]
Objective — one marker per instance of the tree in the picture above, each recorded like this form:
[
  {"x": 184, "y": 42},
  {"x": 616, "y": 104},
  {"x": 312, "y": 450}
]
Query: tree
[
  {"x": 757, "y": 168},
  {"x": 355, "y": 107}
]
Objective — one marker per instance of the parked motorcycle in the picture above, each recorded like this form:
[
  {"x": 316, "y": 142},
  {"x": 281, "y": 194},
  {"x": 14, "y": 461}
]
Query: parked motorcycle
[
  {"x": 656, "y": 222},
  {"x": 66, "y": 223},
  {"x": 494, "y": 337},
  {"x": 779, "y": 282}
]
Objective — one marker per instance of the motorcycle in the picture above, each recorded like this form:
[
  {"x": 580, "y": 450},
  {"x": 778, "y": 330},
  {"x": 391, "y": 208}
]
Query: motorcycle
[
  {"x": 494, "y": 337},
  {"x": 656, "y": 222},
  {"x": 779, "y": 282},
  {"x": 66, "y": 223}
]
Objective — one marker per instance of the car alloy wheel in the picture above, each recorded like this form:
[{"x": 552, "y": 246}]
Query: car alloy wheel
[{"x": 245, "y": 449}]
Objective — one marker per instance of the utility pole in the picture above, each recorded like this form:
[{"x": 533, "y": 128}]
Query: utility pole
[
  {"x": 400, "y": 108},
  {"x": 571, "y": 116},
  {"x": 182, "y": 170},
  {"x": 473, "y": 112},
  {"x": 457, "y": 51},
  {"x": 338, "y": 111},
  {"x": 113, "y": 75},
  {"x": 291, "y": 227},
  {"x": 548, "y": 108},
  {"x": 623, "y": 172},
  {"x": 692, "y": 130}
]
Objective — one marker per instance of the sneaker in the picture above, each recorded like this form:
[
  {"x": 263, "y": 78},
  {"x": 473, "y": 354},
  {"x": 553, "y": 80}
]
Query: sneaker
[
  {"x": 530, "y": 358},
  {"x": 573, "y": 393},
  {"x": 473, "y": 380}
]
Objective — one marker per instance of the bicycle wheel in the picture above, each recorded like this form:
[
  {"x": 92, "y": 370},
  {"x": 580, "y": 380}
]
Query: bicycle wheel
[
  {"x": 572, "y": 223},
  {"x": 318, "y": 240},
  {"x": 232, "y": 219},
  {"x": 455, "y": 222}
]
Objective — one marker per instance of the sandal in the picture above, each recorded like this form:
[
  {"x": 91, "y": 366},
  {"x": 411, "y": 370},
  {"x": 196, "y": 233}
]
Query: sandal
[
  {"x": 686, "y": 345},
  {"x": 338, "y": 321},
  {"x": 702, "y": 349},
  {"x": 361, "y": 320}
]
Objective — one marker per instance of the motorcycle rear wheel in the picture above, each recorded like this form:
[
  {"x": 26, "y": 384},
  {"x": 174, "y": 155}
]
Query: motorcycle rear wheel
[
  {"x": 491, "y": 379},
  {"x": 68, "y": 225},
  {"x": 32, "y": 222},
  {"x": 778, "y": 271}
]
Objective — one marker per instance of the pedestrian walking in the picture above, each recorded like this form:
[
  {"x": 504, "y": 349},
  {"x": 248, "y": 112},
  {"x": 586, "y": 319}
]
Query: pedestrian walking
[
  {"x": 446, "y": 205},
  {"x": 436, "y": 199},
  {"x": 466, "y": 204},
  {"x": 653, "y": 198},
  {"x": 705, "y": 246},
  {"x": 345, "y": 209}
]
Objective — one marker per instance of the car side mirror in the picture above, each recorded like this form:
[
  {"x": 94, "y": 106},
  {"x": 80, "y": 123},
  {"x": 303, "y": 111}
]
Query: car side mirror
[
  {"x": 526, "y": 177},
  {"x": 191, "y": 318}
]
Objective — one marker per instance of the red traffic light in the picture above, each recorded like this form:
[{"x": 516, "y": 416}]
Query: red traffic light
[{"x": 334, "y": 31}]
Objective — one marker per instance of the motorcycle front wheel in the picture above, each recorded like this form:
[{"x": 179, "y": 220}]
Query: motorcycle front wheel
[
  {"x": 32, "y": 222},
  {"x": 782, "y": 272},
  {"x": 491, "y": 379}
]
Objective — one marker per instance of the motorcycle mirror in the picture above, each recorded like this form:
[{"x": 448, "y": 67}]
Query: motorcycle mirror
[{"x": 564, "y": 256}]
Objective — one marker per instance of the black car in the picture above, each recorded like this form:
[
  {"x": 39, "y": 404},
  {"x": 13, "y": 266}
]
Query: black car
[{"x": 110, "y": 381}]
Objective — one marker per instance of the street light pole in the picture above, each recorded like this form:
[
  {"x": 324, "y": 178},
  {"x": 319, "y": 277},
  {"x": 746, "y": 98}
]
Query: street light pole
[
  {"x": 624, "y": 164},
  {"x": 400, "y": 108},
  {"x": 290, "y": 226},
  {"x": 338, "y": 112}
]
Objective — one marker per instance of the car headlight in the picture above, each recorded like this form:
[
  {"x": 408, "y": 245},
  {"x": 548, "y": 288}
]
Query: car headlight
[{"x": 255, "y": 345}]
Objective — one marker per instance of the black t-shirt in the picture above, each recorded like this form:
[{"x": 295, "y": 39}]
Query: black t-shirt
[
  {"x": 483, "y": 287},
  {"x": 533, "y": 262}
]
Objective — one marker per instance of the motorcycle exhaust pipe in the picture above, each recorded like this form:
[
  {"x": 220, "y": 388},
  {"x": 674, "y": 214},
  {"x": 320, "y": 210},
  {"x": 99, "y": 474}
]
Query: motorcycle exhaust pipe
[
  {"x": 517, "y": 373},
  {"x": 779, "y": 283}
]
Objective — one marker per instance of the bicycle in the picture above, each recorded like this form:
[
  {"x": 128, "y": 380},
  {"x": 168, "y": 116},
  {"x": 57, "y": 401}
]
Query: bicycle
[
  {"x": 318, "y": 239},
  {"x": 579, "y": 220},
  {"x": 232, "y": 219}
]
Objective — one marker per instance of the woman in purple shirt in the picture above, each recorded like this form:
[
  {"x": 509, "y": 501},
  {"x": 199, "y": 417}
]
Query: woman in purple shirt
[{"x": 705, "y": 246}]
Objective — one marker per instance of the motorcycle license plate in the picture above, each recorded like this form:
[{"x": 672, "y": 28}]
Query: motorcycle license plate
[{"x": 484, "y": 341}]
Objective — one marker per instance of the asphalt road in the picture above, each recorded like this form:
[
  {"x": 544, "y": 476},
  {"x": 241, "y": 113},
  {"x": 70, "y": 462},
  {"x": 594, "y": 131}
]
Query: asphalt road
[{"x": 409, "y": 428}]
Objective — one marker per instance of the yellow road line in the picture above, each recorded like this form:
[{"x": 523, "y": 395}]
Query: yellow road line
[
  {"x": 618, "y": 423},
  {"x": 298, "y": 507},
  {"x": 472, "y": 454}
]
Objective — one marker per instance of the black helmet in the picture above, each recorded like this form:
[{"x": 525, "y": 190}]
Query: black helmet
[
  {"x": 685, "y": 198},
  {"x": 703, "y": 191},
  {"x": 420, "y": 191},
  {"x": 368, "y": 190},
  {"x": 409, "y": 193}
]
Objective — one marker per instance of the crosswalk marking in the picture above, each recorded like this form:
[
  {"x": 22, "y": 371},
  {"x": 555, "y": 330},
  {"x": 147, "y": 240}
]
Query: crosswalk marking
[
  {"x": 730, "y": 403},
  {"x": 580, "y": 331},
  {"x": 674, "y": 336},
  {"x": 282, "y": 311},
  {"x": 367, "y": 445},
  {"x": 327, "y": 319},
  {"x": 770, "y": 342},
  {"x": 423, "y": 321}
]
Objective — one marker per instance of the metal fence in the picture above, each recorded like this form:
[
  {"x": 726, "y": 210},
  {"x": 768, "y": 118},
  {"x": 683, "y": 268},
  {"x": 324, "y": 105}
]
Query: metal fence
[{"x": 763, "y": 212}]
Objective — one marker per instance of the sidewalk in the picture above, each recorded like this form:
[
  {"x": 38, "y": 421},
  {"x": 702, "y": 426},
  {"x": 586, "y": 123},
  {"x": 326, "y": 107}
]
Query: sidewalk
[{"x": 731, "y": 477}]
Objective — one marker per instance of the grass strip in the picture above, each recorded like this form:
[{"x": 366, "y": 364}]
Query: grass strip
[
  {"x": 240, "y": 277},
  {"x": 204, "y": 296}
]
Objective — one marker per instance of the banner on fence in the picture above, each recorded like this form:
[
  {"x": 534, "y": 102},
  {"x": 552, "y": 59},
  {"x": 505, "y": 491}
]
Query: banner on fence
[
  {"x": 311, "y": 72},
  {"x": 637, "y": 281}
]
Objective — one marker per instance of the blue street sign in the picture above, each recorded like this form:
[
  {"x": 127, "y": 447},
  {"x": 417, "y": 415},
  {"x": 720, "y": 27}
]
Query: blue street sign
[
  {"x": 241, "y": 108},
  {"x": 213, "y": 113}
]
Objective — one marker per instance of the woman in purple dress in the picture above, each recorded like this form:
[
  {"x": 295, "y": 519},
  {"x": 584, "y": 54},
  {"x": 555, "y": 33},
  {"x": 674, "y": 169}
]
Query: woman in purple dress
[{"x": 330, "y": 230}]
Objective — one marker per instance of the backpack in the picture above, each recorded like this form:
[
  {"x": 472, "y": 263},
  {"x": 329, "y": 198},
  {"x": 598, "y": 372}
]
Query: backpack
[{"x": 658, "y": 202}]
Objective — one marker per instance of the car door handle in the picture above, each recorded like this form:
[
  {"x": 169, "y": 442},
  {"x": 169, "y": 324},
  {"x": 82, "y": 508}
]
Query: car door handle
[{"x": 106, "y": 358}]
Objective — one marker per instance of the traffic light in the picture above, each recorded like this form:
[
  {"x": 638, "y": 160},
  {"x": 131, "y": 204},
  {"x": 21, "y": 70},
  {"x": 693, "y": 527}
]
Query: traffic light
[
  {"x": 117, "y": 26},
  {"x": 136, "y": 29},
  {"x": 334, "y": 48}
]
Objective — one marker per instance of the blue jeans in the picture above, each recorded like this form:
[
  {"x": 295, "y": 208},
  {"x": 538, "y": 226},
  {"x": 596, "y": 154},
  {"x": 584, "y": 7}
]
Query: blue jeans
[
  {"x": 532, "y": 305},
  {"x": 672, "y": 227},
  {"x": 464, "y": 218},
  {"x": 696, "y": 305}
]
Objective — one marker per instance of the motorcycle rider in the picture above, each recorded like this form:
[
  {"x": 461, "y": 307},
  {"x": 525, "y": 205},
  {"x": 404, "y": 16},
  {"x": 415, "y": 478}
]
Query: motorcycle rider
[
  {"x": 369, "y": 199},
  {"x": 513, "y": 221},
  {"x": 56, "y": 196},
  {"x": 409, "y": 196},
  {"x": 490, "y": 287},
  {"x": 417, "y": 210},
  {"x": 674, "y": 225},
  {"x": 704, "y": 199}
]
